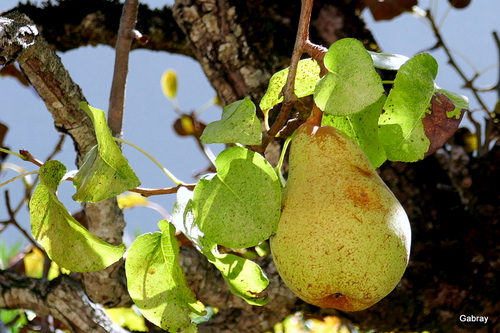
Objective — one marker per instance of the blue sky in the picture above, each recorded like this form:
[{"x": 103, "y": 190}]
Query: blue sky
[{"x": 149, "y": 115}]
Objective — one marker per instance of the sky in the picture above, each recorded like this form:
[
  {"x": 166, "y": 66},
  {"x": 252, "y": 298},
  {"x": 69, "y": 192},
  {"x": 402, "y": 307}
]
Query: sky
[{"x": 149, "y": 115}]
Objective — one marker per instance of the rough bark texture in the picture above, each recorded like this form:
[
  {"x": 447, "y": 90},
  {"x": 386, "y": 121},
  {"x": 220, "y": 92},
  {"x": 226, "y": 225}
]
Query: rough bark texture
[
  {"x": 44, "y": 70},
  {"x": 452, "y": 199},
  {"x": 62, "y": 298}
]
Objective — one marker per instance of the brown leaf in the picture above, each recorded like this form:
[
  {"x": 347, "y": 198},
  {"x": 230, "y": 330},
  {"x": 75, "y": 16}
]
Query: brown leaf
[
  {"x": 389, "y": 9},
  {"x": 3, "y": 132},
  {"x": 11, "y": 70},
  {"x": 437, "y": 125},
  {"x": 459, "y": 3}
]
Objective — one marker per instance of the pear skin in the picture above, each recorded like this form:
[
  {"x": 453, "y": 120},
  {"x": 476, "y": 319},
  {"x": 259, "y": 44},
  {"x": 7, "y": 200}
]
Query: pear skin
[{"x": 343, "y": 239}]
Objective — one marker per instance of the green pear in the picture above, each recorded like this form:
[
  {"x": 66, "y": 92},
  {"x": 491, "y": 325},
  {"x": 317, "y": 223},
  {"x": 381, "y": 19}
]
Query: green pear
[{"x": 343, "y": 239}]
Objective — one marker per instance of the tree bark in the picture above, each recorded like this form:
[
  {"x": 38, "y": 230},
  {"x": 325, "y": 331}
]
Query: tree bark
[
  {"x": 451, "y": 198},
  {"x": 63, "y": 298}
]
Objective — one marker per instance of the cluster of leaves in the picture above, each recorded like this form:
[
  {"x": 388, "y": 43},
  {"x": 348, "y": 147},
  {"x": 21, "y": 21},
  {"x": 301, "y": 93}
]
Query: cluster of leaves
[
  {"x": 352, "y": 97},
  {"x": 239, "y": 205}
]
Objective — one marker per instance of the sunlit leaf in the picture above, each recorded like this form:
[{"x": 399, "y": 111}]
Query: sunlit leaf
[
  {"x": 157, "y": 283},
  {"x": 128, "y": 318},
  {"x": 65, "y": 240},
  {"x": 401, "y": 129},
  {"x": 387, "y": 61},
  {"x": 34, "y": 262},
  {"x": 363, "y": 128},
  {"x": 306, "y": 78},
  {"x": 131, "y": 200},
  {"x": 352, "y": 84},
  {"x": 105, "y": 172},
  {"x": 238, "y": 124},
  {"x": 244, "y": 277},
  {"x": 240, "y": 205}
]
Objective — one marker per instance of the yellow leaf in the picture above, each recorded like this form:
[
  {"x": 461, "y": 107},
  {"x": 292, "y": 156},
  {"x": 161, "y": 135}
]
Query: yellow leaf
[
  {"x": 127, "y": 317},
  {"x": 169, "y": 83},
  {"x": 131, "y": 200}
]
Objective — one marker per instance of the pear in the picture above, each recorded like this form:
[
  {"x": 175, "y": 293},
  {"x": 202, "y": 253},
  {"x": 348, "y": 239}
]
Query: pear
[{"x": 343, "y": 239}]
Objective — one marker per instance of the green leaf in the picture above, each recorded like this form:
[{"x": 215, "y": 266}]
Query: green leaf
[
  {"x": 65, "y": 240},
  {"x": 157, "y": 283},
  {"x": 105, "y": 172},
  {"x": 238, "y": 124},
  {"x": 401, "y": 129},
  {"x": 387, "y": 61},
  {"x": 305, "y": 80},
  {"x": 363, "y": 128},
  {"x": 352, "y": 84},
  {"x": 240, "y": 205},
  {"x": 244, "y": 277}
]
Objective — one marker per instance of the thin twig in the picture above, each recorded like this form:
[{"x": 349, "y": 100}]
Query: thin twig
[
  {"x": 123, "y": 44},
  {"x": 147, "y": 192},
  {"x": 288, "y": 91},
  {"x": 13, "y": 221},
  {"x": 482, "y": 148}
]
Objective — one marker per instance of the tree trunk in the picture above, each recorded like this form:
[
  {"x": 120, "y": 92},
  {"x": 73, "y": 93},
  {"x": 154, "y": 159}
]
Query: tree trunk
[{"x": 451, "y": 198}]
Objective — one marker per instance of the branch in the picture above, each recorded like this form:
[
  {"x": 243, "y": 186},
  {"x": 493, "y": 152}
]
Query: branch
[
  {"x": 96, "y": 22},
  {"x": 289, "y": 97},
  {"x": 22, "y": 42},
  {"x": 123, "y": 43},
  {"x": 63, "y": 298}
]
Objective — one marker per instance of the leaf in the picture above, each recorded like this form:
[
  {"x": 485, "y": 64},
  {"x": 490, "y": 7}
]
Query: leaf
[
  {"x": 387, "y": 61},
  {"x": 352, "y": 84},
  {"x": 183, "y": 220},
  {"x": 306, "y": 78},
  {"x": 238, "y": 124},
  {"x": 105, "y": 172},
  {"x": 389, "y": 9},
  {"x": 169, "y": 84},
  {"x": 240, "y": 205},
  {"x": 128, "y": 318},
  {"x": 362, "y": 127},
  {"x": 459, "y": 3},
  {"x": 244, "y": 277},
  {"x": 443, "y": 120},
  {"x": 3, "y": 133},
  {"x": 157, "y": 283},
  {"x": 65, "y": 240},
  {"x": 401, "y": 129},
  {"x": 131, "y": 200}
]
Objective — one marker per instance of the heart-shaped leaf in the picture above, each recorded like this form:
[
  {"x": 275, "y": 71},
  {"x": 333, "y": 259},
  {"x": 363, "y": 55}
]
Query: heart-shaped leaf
[
  {"x": 65, "y": 240},
  {"x": 306, "y": 78},
  {"x": 238, "y": 124},
  {"x": 352, "y": 84}
]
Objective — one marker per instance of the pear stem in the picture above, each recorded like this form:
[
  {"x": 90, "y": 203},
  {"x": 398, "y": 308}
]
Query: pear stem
[{"x": 282, "y": 158}]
